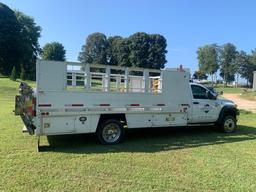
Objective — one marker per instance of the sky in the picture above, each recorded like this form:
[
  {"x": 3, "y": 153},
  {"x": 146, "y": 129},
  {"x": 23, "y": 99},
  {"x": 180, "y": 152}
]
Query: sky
[{"x": 186, "y": 24}]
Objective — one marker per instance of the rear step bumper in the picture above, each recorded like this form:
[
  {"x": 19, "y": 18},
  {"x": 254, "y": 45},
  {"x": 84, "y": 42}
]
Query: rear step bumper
[{"x": 25, "y": 129}]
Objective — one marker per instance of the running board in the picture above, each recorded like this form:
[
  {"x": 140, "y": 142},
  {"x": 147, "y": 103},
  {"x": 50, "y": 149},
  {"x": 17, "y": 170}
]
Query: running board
[{"x": 200, "y": 124}]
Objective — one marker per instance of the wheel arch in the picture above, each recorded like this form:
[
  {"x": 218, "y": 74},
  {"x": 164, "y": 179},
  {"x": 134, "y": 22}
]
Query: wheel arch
[
  {"x": 227, "y": 110},
  {"x": 116, "y": 116}
]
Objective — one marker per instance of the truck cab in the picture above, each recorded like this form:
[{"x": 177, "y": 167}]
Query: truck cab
[{"x": 207, "y": 107}]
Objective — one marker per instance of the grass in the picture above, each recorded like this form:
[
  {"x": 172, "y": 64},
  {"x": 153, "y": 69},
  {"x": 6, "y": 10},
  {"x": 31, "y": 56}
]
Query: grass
[
  {"x": 174, "y": 159},
  {"x": 249, "y": 96},
  {"x": 229, "y": 89}
]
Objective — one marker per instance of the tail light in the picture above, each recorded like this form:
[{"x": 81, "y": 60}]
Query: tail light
[{"x": 31, "y": 107}]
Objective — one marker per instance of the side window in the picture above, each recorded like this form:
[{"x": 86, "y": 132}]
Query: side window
[{"x": 198, "y": 92}]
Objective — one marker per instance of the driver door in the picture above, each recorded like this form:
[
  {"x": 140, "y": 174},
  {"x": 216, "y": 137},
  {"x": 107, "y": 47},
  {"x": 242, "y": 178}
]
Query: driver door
[{"x": 204, "y": 108}]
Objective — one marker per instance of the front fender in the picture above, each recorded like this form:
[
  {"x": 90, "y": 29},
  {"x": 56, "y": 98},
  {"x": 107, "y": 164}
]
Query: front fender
[{"x": 227, "y": 110}]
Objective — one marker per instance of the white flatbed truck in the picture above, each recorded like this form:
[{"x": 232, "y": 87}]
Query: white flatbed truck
[{"x": 75, "y": 98}]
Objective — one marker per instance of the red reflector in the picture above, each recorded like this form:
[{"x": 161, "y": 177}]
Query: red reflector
[
  {"x": 104, "y": 105},
  {"x": 134, "y": 105},
  {"x": 44, "y": 105},
  {"x": 160, "y": 104}
]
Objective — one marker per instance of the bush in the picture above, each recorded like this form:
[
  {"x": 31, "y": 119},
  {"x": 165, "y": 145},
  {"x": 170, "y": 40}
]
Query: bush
[{"x": 13, "y": 74}]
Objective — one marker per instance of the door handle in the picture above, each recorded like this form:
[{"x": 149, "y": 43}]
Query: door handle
[
  {"x": 206, "y": 105},
  {"x": 195, "y": 102}
]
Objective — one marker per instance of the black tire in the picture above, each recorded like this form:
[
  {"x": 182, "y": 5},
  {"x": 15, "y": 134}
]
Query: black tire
[
  {"x": 110, "y": 132},
  {"x": 228, "y": 124}
]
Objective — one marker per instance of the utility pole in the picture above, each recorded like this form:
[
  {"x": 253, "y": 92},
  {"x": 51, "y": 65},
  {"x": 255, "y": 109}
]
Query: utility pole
[{"x": 254, "y": 81}]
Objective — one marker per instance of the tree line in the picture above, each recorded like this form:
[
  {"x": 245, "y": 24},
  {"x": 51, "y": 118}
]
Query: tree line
[
  {"x": 19, "y": 45},
  {"x": 138, "y": 50},
  {"x": 227, "y": 60},
  {"x": 19, "y": 49}
]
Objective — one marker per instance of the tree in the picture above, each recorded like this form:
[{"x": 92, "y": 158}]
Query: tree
[
  {"x": 208, "y": 59},
  {"x": 228, "y": 62},
  {"x": 29, "y": 33},
  {"x": 95, "y": 49},
  {"x": 119, "y": 51},
  {"x": 53, "y": 51},
  {"x": 251, "y": 66},
  {"x": 199, "y": 75},
  {"x": 10, "y": 51},
  {"x": 157, "y": 51},
  {"x": 18, "y": 42},
  {"x": 13, "y": 74},
  {"x": 242, "y": 61},
  {"x": 29, "y": 45},
  {"x": 22, "y": 74},
  {"x": 147, "y": 51},
  {"x": 139, "y": 49}
]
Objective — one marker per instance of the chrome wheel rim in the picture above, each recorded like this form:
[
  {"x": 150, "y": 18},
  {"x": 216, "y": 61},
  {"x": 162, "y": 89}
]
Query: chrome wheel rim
[
  {"x": 229, "y": 125},
  {"x": 111, "y": 133}
]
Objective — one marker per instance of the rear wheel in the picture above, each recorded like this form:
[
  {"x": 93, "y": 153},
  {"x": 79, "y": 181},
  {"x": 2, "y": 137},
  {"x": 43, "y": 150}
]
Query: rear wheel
[
  {"x": 110, "y": 132},
  {"x": 228, "y": 124}
]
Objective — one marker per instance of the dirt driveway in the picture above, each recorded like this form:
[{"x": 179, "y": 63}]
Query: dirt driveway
[{"x": 241, "y": 103}]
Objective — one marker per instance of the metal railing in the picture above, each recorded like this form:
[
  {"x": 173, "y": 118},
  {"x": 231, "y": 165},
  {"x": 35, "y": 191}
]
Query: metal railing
[{"x": 105, "y": 78}]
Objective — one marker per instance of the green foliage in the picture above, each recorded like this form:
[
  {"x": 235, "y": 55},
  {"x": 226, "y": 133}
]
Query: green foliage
[
  {"x": 251, "y": 66},
  {"x": 29, "y": 45},
  {"x": 119, "y": 51},
  {"x": 139, "y": 50},
  {"x": 95, "y": 50},
  {"x": 18, "y": 42},
  {"x": 204, "y": 159},
  {"x": 208, "y": 59},
  {"x": 199, "y": 75},
  {"x": 242, "y": 111},
  {"x": 53, "y": 51},
  {"x": 250, "y": 95},
  {"x": 243, "y": 65},
  {"x": 228, "y": 62},
  {"x": 22, "y": 74},
  {"x": 157, "y": 51},
  {"x": 147, "y": 51},
  {"x": 14, "y": 74},
  {"x": 10, "y": 52}
]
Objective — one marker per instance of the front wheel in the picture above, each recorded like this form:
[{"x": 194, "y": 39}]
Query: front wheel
[
  {"x": 228, "y": 124},
  {"x": 110, "y": 132}
]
